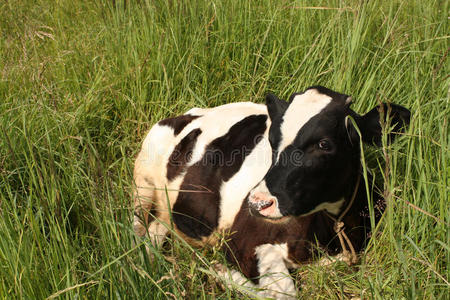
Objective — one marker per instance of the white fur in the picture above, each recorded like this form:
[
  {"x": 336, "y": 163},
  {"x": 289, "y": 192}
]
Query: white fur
[
  {"x": 274, "y": 274},
  {"x": 234, "y": 191},
  {"x": 154, "y": 151},
  {"x": 299, "y": 112},
  {"x": 197, "y": 111}
]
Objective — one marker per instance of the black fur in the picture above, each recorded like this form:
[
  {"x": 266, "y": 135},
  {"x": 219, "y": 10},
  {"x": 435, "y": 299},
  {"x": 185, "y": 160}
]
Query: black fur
[
  {"x": 181, "y": 155},
  {"x": 178, "y": 123}
]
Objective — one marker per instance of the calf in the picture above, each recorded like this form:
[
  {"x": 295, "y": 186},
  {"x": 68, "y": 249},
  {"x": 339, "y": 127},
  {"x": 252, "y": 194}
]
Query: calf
[{"x": 297, "y": 163}]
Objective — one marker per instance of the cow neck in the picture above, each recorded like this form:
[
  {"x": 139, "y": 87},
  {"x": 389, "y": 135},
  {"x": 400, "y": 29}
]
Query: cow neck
[{"x": 339, "y": 226}]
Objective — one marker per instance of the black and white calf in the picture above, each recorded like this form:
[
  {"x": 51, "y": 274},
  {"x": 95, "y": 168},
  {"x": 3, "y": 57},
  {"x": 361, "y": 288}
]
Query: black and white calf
[{"x": 296, "y": 163}]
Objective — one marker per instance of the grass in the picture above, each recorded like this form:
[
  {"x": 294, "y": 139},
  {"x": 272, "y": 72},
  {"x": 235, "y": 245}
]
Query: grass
[{"x": 81, "y": 82}]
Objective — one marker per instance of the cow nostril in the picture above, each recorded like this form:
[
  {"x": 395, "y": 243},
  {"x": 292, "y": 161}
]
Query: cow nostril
[
  {"x": 266, "y": 204},
  {"x": 261, "y": 204}
]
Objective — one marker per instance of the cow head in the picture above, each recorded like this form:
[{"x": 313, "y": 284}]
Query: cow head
[{"x": 316, "y": 151}]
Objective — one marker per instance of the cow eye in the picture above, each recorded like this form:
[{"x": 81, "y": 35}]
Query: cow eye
[{"x": 324, "y": 145}]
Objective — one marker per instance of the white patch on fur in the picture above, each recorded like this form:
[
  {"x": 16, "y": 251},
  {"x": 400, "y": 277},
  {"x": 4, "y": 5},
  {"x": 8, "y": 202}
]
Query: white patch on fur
[
  {"x": 332, "y": 207},
  {"x": 274, "y": 274},
  {"x": 262, "y": 188},
  {"x": 197, "y": 111},
  {"x": 252, "y": 171},
  {"x": 216, "y": 123},
  {"x": 154, "y": 148},
  {"x": 299, "y": 112}
]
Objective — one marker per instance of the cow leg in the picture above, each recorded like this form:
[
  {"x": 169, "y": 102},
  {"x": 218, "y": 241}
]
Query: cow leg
[
  {"x": 145, "y": 210},
  {"x": 234, "y": 276},
  {"x": 274, "y": 281},
  {"x": 142, "y": 211},
  {"x": 329, "y": 260},
  {"x": 274, "y": 274}
]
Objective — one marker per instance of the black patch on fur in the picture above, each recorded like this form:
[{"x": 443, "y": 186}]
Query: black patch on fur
[
  {"x": 182, "y": 154},
  {"x": 275, "y": 136},
  {"x": 275, "y": 106},
  {"x": 178, "y": 123},
  {"x": 196, "y": 211}
]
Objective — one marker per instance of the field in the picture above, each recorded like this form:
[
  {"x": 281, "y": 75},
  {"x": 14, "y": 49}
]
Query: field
[{"x": 81, "y": 82}]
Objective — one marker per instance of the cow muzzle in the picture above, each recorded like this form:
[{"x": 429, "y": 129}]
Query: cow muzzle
[{"x": 261, "y": 201}]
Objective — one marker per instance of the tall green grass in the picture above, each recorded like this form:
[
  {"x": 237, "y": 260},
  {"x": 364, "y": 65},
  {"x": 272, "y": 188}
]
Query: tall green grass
[{"x": 82, "y": 81}]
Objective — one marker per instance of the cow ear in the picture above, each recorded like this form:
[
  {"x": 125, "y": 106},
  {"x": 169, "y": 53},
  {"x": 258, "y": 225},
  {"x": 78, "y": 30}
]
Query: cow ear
[
  {"x": 370, "y": 126},
  {"x": 275, "y": 106}
]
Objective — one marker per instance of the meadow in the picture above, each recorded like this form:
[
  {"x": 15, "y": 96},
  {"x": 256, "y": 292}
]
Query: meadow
[{"x": 81, "y": 82}]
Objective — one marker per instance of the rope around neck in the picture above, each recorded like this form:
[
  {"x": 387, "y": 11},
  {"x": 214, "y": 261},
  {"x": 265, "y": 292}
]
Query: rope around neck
[{"x": 339, "y": 226}]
